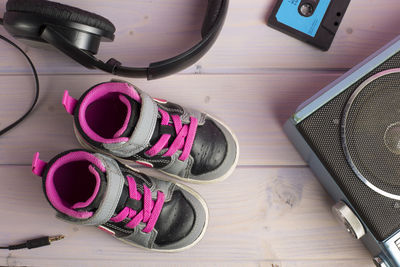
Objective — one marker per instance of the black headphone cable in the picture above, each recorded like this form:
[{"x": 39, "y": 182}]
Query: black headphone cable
[
  {"x": 36, "y": 97},
  {"x": 46, "y": 240},
  {"x": 35, "y": 243}
]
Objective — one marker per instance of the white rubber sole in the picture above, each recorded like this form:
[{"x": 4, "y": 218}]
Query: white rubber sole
[{"x": 88, "y": 146}]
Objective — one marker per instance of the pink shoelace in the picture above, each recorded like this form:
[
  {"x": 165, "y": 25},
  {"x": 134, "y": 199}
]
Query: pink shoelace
[
  {"x": 150, "y": 212},
  {"x": 184, "y": 139}
]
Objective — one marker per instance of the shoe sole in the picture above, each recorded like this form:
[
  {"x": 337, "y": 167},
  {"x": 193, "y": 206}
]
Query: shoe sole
[{"x": 88, "y": 146}]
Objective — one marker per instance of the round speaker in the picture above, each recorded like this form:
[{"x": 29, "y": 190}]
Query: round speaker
[{"x": 370, "y": 132}]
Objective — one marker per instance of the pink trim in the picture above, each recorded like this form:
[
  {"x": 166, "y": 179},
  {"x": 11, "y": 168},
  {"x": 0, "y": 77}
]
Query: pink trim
[
  {"x": 180, "y": 138},
  {"x": 125, "y": 213},
  {"x": 177, "y": 144},
  {"x": 150, "y": 213},
  {"x": 51, "y": 191},
  {"x": 189, "y": 139},
  {"x": 128, "y": 116},
  {"x": 69, "y": 103},
  {"x": 161, "y": 143},
  {"x": 38, "y": 165},
  {"x": 80, "y": 205},
  {"x": 161, "y": 101},
  {"x": 96, "y": 93},
  {"x": 155, "y": 213},
  {"x": 164, "y": 116},
  {"x": 144, "y": 163},
  {"x": 147, "y": 202},
  {"x": 184, "y": 139},
  {"x": 133, "y": 193}
]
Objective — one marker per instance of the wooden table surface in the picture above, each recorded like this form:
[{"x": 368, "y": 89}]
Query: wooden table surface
[{"x": 272, "y": 211}]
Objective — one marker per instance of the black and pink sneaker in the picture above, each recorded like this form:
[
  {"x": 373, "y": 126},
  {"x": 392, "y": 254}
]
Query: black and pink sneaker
[
  {"x": 118, "y": 119},
  {"x": 92, "y": 189}
]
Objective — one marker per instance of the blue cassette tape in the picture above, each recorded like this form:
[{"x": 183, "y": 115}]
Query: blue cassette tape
[{"x": 311, "y": 21}]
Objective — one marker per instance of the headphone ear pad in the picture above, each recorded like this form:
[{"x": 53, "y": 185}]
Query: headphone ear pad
[
  {"x": 213, "y": 10},
  {"x": 59, "y": 11}
]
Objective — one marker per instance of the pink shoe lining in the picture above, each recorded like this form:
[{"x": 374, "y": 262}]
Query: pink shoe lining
[
  {"x": 125, "y": 101},
  {"x": 184, "y": 139},
  {"x": 81, "y": 205},
  {"x": 51, "y": 189},
  {"x": 150, "y": 213},
  {"x": 97, "y": 93}
]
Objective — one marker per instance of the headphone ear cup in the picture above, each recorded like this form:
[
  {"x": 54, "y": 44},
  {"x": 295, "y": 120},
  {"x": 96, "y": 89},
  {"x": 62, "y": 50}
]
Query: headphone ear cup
[
  {"x": 213, "y": 10},
  {"x": 57, "y": 11}
]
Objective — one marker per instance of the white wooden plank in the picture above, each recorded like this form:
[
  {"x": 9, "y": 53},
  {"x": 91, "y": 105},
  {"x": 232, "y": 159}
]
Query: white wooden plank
[
  {"x": 104, "y": 263},
  {"x": 122, "y": 263},
  {"x": 255, "y": 107},
  {"x": 152, "y": 30},
  {"x": 268, "y": 214},
  {"x": 335, "y": 263}
]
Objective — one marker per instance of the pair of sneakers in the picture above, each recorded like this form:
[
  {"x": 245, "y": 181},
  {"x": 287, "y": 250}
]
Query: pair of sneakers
[{"x": 119, "y": 124}]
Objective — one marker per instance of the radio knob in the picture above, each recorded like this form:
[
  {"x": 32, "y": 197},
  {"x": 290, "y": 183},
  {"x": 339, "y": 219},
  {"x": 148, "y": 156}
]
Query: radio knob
[
  {"x": 379, "y": 262},
  {"x": 347, "y": 218}
]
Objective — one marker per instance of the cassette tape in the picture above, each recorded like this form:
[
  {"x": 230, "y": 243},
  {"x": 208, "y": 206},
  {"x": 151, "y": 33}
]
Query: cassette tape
[{"x": 312, "y": 21}]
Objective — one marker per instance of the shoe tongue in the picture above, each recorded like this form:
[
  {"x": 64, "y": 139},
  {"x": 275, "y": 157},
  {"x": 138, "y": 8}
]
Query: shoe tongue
[
  {"x": 126, "y": 201},
  {"x": 132, "y": 117},
  {"x": 159, "y": 130},
  {"x": 95, "y": 199}
]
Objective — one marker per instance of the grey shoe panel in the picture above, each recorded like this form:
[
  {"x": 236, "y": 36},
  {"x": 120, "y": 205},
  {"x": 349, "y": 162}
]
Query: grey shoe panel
[
  {"x": 115, "y": 183},
  {"x": 138, "y": 237},
  {"x": 164, "y": 186},
  {"x": 143, "y": 132},
  {"x": 178, "y": 167},
  {"x": 188, "y": 112}
]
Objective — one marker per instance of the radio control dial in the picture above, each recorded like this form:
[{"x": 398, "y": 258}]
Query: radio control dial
[
  {"x": 379, "y": 262},
  {"x": 347, "y": 218}
]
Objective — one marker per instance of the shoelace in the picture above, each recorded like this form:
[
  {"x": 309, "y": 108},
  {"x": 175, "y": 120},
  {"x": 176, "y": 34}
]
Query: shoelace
[
  {"x": 184, "y": 139},
  {"x": 150, "y": 211}
]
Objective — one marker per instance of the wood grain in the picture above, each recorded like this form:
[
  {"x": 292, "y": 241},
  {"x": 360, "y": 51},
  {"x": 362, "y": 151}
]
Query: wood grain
[
  {"x": 148, "y": 31},
  {"x": 254, "y": 106},
  {"x": 271, "y": 212},
  {"x": 279, "y": 214}
]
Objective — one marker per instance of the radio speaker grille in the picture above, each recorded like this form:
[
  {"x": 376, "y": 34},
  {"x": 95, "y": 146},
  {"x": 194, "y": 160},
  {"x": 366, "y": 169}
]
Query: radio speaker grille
[{"x": 322, "y": 131}]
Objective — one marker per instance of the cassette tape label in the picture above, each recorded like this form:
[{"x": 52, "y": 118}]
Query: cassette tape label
[{"x": 289, "y": 14}]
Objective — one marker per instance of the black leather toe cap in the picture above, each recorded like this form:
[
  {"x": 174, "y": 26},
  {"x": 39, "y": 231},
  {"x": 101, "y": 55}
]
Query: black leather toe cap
[
  {"x": 175, "y": 221},
  {"x": 209, "y": 148}
]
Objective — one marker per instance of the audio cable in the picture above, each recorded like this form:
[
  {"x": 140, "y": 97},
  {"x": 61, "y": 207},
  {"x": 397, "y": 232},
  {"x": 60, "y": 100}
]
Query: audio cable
[
  {"x": 35, "y": 75},
  {"x": 35, "y": 243}
]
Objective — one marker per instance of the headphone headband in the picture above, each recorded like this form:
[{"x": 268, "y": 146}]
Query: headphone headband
[{"x": 78, "y": 33}]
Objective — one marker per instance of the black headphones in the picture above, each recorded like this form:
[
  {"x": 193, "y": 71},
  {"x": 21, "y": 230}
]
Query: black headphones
[{"x": 78, "y": 34}]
